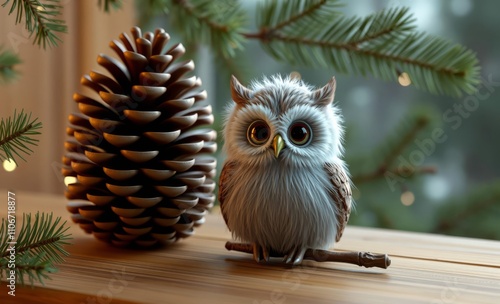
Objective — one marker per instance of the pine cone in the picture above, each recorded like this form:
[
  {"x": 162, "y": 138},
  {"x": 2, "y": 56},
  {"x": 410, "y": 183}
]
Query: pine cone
[{"x": 143, "y": 166}]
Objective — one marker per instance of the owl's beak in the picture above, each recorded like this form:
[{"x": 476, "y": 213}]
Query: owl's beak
[{"x": 278, "y": 145}]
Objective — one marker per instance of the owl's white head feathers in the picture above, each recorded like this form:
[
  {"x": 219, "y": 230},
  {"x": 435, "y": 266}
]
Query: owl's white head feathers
[{"x": 305, "y": 118}]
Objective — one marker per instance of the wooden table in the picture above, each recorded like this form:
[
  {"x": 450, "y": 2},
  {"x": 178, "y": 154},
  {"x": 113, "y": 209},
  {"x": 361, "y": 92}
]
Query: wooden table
[{"x": 425, "y": 269}]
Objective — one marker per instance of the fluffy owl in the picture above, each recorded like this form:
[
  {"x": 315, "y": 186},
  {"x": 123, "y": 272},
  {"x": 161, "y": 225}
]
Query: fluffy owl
[{"x": 284, "y": 187}]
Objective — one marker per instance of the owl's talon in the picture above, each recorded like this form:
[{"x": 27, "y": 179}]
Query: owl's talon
[
  {"x": 295, "y": 256},
  {"x": 260, "y": 253},
  {"x": 265, "y": 254},
  {"x": 299, "y": 256},
  {"x": 285, "y": 258},
  {"x": 257, "y": 253},
  {"x": 289, "y": 257}
]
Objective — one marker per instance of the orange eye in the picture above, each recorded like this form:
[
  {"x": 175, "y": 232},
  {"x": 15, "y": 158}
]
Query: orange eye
[
  {"x": 300, "y": 133},
  {"x": 258, "y": 133}
]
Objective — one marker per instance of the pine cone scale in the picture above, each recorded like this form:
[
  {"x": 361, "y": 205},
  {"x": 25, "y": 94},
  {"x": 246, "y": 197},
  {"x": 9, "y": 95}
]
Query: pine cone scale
[
  {"x": 106, "y": 81},
  {"x": 117, "y": 69}
]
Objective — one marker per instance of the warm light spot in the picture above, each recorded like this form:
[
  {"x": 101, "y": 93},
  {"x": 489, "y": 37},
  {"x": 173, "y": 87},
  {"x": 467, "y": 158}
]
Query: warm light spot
[
  {"x": 40, "y": 8},
  {"x": 69, "y": 180},
  {"x": 407, "y": 198},
  {"x": 295, "y": 75},
  {"x": 9, "y": 165},
  {"x": 404, "y": 79}
]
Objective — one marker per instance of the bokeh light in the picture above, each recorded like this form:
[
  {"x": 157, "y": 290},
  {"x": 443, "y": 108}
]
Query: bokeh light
[{"x": 9, "y": 165}]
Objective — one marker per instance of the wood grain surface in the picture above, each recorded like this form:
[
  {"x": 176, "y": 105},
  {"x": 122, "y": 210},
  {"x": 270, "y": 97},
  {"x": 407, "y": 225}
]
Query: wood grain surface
[{"x": 425, "y": 269}]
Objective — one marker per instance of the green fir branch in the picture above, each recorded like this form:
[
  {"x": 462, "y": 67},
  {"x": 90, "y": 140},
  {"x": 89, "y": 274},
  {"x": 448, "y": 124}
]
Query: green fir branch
[
  {"x": 383, "y": 44},
  {"x": 383, "y": 160},
  {"x": 315, "y": 33},
  {"x": 31, "y": 267},
  {"x": 108, "y": 5},
  {"x": 41, "y": 18},
  {"x": 44, "y": 237},
  {"x": 16, "y": 135},
  {"x": 8, "y": 61},
  {"x": 405, "y": 134},
  {"x": 216, "y": 23},
  {"x": 273, "y": 16},
  {"x": 38, "y": 247}
]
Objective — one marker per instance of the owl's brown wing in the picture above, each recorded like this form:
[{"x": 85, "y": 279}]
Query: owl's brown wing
[
  {"x": 342, "y": 195},
  {"x": 225, "y": 176}
]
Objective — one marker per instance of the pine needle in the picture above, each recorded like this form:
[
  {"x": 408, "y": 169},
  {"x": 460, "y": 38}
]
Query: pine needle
[
  {"x": 404, "y": 135},
  {"x": 383, "y": 44},
  {"x": 7, "y": 62},
  {"x": 382, "y": 161},
  {"x": 16, "y": 135},
  {"x": 315, "y": 33},
  {"x": 216, "y": 23},
  {"x": 39, "y": 247},
  {"x": 40, "y": 18}
]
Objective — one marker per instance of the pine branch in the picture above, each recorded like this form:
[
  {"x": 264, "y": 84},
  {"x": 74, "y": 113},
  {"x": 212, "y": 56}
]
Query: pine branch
[
  {"x": 280, "y": 19},
  {"x": 40, "y": 18},
  {"x": 313, "y": 33},
  {"x": 43, "y": 237},
  {"x": 108, "y": 5},
  {"x": 216, "y": 23},
  {"x": 7, "y": 62},
  {"x": 275, "y": 15},
  {"x": 31, "y": 267},
  {"x": 382, "y": 161},
  {"x": 35, "y": 267},
  {"x": 38, "y": 246},
  {"x": 16, "y": 135},
  {"x": 404, "y": 136}
]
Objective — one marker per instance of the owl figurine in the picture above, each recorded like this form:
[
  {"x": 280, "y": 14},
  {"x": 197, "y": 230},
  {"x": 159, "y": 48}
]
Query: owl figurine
[{"x": 284, "y": 187}]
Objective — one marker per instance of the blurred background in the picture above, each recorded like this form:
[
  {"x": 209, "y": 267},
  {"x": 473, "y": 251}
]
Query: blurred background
[{"x": 458, "y": 191}]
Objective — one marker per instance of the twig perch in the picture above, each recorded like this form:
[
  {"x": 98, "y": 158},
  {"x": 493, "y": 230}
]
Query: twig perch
[{"x": 365, "y": 259}]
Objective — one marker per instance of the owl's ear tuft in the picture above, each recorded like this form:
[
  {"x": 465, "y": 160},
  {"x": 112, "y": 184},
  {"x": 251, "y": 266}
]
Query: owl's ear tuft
[
  {"x": 324, "y": 96},
  {"x": 240, "y": 94}
]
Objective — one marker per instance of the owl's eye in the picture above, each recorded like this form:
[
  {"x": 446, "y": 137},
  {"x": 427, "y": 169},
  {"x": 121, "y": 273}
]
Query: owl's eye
[
  {"x": 258, "y": 133},
  {"x": 300, "y": 133}
]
